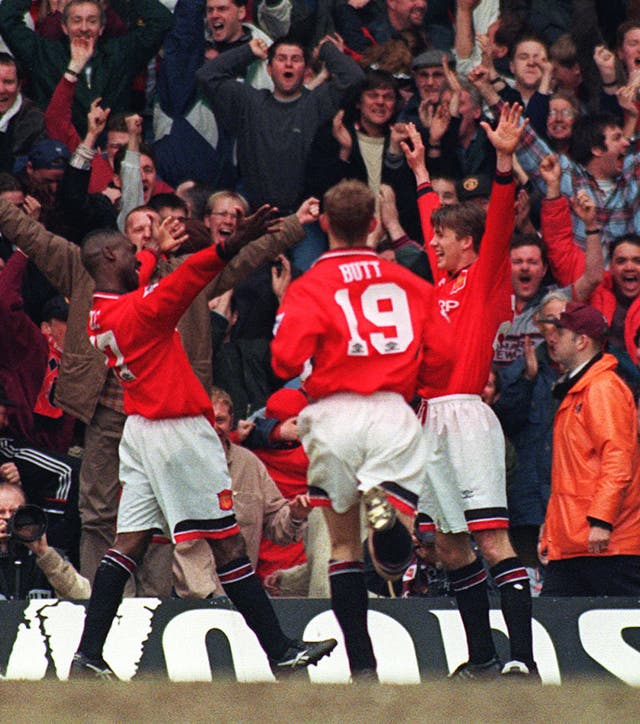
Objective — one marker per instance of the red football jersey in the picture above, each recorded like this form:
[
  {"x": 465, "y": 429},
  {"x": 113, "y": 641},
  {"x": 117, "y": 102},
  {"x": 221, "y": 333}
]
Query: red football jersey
[
  {"x": 137, "y": 333},
  {"x": 364, "y": 324},
  {"x": 476, "y": 300}
]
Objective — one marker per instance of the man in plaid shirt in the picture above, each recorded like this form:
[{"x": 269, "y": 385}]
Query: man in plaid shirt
[{"x": 602, "y": 165}]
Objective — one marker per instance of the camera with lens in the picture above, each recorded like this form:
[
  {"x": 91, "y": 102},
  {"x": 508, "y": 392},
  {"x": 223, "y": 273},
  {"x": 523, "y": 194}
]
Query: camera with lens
[{"x": 27, "y": 524}]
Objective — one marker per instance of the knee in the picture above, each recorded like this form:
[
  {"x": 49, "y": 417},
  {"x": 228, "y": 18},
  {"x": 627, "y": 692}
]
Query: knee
[
  {"x": 495, "y": 546},
  {"x": 454, "y": 552},
  {"x": 133, "y": 545}
]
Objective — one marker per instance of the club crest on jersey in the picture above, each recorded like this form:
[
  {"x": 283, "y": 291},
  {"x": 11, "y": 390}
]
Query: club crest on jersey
[
  {"x": 225, "y": 499},
  {"x": 460, "y": 282}
]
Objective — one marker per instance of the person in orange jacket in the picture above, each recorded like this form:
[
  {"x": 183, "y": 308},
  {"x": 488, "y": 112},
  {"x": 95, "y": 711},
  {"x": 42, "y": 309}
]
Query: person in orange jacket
[{"x": 591, "y": 536}]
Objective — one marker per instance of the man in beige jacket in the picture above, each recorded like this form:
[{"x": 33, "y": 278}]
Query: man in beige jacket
[{"x": 260, "y": 508}]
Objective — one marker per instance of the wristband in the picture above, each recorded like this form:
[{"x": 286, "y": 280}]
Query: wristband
[
  {"x": 593, "y": 231},
  {"x": 610, "y": 85},
  {"x": 72, "y": 72},
  {"x": 435, "y": 145},
  {"x": 497, "y": 80}
]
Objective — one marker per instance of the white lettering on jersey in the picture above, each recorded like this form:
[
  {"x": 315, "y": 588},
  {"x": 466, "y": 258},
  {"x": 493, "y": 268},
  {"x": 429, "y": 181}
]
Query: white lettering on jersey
[
  {"x": 277, "y": 323},
  {"x": 359, "y": 270},
  {"x": 447, "y": 305},
  {"x": 107, "y": 344},
  {"x": 94, "y": 317},
  {"x": 372, "y": 302},
  {"x": 149, "y": 289}
]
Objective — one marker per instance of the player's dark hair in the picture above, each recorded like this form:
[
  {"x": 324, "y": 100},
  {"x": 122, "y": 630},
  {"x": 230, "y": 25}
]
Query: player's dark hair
[
  {"x": 589, "y": 133},
  {"x": 349, "y": 207},
  {"x": 93, "y": 244},
  {"x": 626, "y": 239},
  {"x": 286, "y": 40},
  {"x": 464, "y": 219}
]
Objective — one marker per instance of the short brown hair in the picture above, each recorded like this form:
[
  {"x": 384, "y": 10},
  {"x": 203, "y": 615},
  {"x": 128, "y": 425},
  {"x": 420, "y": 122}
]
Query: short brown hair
[
  {"x": 349, "y": 206},
  {"x": 219, "y": 396},
  {"x": 465, "y": 219},
  {"x": 564, "y": 51}
]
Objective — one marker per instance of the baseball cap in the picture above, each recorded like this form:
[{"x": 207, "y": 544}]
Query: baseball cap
[
  {"x": 584, "y": 319},
  {"x": 4, "y": 400},
  {"x": 473, "y": 186},
  {"x": 48, "y": 153},
  {"x": 56, "y": 308},
  {"x": 285, "y": 403},
  {"x": 430, "y": 58}
]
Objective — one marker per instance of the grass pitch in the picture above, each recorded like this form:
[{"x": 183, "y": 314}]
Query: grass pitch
[{"x": 51, "y": 702}]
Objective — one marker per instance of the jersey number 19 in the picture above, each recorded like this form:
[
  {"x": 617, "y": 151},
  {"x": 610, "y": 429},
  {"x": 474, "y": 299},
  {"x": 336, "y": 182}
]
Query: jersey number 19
[{"x": 397, "y": 316}]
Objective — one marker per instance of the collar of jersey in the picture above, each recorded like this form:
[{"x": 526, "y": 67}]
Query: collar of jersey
[
  {"x": 351, "y": 251},
  {"x": 107, "y": 295}
]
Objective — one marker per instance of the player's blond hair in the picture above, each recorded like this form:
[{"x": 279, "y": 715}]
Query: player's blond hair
[{"x": 349, "y": 207}]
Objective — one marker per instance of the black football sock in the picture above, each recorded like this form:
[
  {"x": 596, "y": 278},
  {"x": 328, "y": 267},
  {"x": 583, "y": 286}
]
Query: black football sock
[
  {"x": 515, "y": 599},
  {"x": 349, "y": 602},
  {"x": 392, "y": 549},
  {"x": 106, "y": 595},
  {"x": 469, "y": 584},
  {"x": 248, "y": 596}
]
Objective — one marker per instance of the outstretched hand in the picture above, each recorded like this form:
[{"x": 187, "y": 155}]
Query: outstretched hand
[
  {"x": 249, "y": 228},
  {"x": 584, "y": 208},
  {"x": 170, "y": 234},
  {"x": 414, "y": 153},
  {"x": 506, "y": 136}
]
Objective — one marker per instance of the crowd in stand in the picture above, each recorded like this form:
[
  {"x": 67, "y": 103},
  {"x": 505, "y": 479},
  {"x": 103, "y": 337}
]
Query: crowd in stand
[{"x": 194, "y": 122}]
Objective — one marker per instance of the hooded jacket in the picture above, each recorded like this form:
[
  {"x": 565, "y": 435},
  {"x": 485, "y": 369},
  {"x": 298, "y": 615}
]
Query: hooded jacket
[{"x": 595, "y": 468}]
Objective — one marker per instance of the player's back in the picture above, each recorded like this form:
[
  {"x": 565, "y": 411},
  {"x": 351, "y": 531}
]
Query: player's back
[
  {"x": 360, "y": 319},
  {"x": 147, "y": 355}
]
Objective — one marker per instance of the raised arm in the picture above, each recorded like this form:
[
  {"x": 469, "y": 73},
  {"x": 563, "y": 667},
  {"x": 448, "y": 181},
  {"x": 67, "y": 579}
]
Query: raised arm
[
  {"x": 57, "y": 117},
  {"x": 500, "y": 222},
  {"x": 566, "y": 260},
  {"x": 57, "y": 258},
  {"x": 585, "y": 209},
  {"x": 22, "y": 40},
  {"x": 217, "y": 81},
  {"x": 183, "y": 52},
  {"x": 428, "y": 199}
]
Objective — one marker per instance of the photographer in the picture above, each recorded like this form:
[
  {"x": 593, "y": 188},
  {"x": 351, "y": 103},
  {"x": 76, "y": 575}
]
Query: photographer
[{"x": 32, "y": 569}]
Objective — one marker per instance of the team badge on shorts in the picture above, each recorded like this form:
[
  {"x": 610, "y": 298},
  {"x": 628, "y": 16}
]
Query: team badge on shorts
[{"x": 225, "y": 499}]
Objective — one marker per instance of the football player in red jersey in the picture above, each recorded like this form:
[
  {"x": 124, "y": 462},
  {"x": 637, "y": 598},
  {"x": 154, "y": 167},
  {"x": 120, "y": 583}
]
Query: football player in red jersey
[
  {"x": 466, "y": 488},
  {"x": 172, "y": 464},
  {"x": 363, "y": 325}
]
